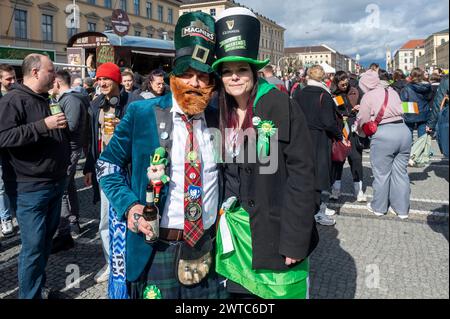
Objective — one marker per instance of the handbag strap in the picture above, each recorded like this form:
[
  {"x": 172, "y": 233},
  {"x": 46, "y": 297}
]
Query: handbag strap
[{"x": 383, "y": 108}]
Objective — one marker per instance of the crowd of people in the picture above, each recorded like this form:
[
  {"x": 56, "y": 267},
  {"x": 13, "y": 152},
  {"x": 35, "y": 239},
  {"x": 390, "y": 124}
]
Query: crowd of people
[{"x": 228, "y": 228}]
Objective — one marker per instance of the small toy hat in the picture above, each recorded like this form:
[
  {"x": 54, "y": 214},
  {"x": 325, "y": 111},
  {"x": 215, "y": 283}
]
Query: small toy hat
[
  {"x": 238, "y": 33},
  {"x": 195, "y": 42},
  {"x": 160, "y": 157}
]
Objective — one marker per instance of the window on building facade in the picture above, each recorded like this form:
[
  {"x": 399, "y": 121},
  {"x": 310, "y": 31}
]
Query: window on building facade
[
  {"x": 20, "y": 21},
  {"x": 149, "y": 35},
  {"x": 170, "y": 16},
  {"x": 108, "y": 3},
  {"x": 161, "y": 13},
  {"x": 47, "y": 27},
  {"x": 149, "y": 9},
  {"x": 406, "y": 60},
  {"x": 123, "y": 5},
  {"x": 108, "y": 27},
  {"x": 137, "y": 33},
  {"x": 92, "y": 27},
  {"x": 442, "y": 41},
  {"x": 212, "y": 12},
  {"x": 137, "y": 7},
  {"x": 71, "y": 32}
]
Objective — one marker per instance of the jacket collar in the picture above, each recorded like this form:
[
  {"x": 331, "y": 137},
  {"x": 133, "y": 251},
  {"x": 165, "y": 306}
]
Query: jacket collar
[{"x": 24, "y": 88}]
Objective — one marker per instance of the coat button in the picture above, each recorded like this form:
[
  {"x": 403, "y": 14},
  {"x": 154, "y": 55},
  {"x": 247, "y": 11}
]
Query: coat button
[
  {"x": 248, "y": 170},
  {"x": 251, "y": 203}
]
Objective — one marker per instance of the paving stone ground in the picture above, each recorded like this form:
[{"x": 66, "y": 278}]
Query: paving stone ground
[{"x": 362, "y": 257}]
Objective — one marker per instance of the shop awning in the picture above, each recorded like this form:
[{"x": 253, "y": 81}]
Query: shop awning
[{"x": 172, "y": 55}]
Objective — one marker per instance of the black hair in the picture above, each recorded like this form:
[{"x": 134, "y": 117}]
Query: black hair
[
  {"x": 340, "y": 76},
  {"x": 151, "y": 77},
  {"x": 64, "y": 76},
  {"x": 384, "y": 75}
]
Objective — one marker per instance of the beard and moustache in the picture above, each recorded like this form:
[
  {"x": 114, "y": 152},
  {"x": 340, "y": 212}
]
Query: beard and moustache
[{"x": 192, "y": 101}]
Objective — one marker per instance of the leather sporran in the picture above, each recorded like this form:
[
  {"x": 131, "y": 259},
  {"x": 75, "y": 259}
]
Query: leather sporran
[{"x": 194, "y": 263}]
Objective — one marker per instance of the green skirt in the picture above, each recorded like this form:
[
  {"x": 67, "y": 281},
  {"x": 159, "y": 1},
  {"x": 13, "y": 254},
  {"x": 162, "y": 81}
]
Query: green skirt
[{"x": 234, "y": 261}]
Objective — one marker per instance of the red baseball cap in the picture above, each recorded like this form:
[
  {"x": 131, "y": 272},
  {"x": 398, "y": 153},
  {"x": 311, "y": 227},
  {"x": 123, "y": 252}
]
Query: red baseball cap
[{"x": 109, "y": 70}]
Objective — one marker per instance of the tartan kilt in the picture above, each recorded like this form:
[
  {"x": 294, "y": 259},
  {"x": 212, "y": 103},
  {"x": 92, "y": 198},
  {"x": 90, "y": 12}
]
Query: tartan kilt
[{"x": 161, "y": 272}]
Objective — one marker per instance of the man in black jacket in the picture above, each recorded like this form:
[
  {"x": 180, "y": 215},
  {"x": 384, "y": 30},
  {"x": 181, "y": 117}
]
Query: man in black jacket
[
  {"x": 35, "y": 161},
  {"x": 106, "y": 112},
  {"x": 7, "y": 80},
  {"x": 74, "y": 105}
]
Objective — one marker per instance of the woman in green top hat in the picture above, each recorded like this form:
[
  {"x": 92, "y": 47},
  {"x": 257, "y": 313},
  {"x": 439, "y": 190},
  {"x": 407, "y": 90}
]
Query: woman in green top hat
[{"x": 266, "y": 230}]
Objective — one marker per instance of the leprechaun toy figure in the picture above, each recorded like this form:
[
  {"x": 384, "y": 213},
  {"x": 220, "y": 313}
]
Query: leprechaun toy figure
[
  {"x": 156, "y": 173},
  {"x": 180, "y": 264}
]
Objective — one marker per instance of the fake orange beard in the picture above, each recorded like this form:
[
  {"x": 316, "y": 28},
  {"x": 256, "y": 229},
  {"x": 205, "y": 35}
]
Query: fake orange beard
[{"x": 191, "y": 100}]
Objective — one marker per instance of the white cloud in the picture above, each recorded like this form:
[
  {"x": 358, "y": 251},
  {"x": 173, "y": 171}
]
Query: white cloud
[{"x": 346, "y": 26}]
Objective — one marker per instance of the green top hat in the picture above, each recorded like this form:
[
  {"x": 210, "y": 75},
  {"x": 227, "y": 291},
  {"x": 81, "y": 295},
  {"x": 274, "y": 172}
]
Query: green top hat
[
  {"x": 238, "y": 32},
  {"x": 195, "y": 41},
  {"x": 159, "y": 157}
]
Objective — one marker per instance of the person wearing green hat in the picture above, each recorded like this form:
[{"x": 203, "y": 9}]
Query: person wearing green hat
[
  {"x": 173, "y": 134},
  {"x": 267, "y": 229}
]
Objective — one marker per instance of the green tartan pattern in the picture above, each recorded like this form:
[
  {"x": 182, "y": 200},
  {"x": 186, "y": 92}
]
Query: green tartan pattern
[{"x": 160, "y": 272}]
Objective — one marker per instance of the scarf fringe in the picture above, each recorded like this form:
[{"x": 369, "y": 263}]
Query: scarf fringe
[{"x": 117, "y": 290}]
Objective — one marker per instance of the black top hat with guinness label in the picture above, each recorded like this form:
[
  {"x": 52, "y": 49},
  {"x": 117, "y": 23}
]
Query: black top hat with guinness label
[{"x": 238, "y": 32}]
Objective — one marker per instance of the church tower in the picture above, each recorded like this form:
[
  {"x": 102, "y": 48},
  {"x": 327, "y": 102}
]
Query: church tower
[{"x": 388, "y": 59}]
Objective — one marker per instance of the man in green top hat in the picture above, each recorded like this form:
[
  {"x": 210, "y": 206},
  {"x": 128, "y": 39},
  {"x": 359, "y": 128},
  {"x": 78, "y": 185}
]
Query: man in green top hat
[{"x": 180, "y": 264}]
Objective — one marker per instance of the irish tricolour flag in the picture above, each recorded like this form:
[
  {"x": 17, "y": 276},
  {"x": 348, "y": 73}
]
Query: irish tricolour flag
[
  {"x": 346, "y": 130},
  {"x": 410, "y": 108},
  {"x": 338, "y": 100}
]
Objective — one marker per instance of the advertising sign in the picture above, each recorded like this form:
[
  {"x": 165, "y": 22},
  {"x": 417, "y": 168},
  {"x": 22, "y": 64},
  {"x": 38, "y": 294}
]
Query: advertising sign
[{"x": 120, "y": 22}]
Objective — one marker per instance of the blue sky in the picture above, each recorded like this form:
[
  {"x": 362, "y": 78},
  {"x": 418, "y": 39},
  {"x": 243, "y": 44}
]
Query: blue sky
[{"x": 355, "y": 26}]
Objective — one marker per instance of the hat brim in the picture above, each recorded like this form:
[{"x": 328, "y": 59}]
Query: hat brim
[
  {"x": 257, "y": 63},
  {"x": 184, "y": 63}
]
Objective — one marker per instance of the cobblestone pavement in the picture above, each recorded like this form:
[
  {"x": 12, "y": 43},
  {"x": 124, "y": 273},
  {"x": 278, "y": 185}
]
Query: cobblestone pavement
[{"x": 361, "y": 257}]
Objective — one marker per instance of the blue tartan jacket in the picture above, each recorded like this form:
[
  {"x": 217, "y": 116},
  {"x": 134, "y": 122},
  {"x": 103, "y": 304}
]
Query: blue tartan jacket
[{"x": 134, "y": 142}]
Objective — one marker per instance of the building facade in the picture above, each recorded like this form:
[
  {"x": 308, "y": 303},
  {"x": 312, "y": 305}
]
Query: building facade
[
  {"x": 431, "y": 45},
  {"x": 271, "y": 44},
  {"x": 442, "y": 56},
  {"x": 312, "y": 55},
  {"x": 409, "y": 56},
  {"x": 42, "y": 24}
]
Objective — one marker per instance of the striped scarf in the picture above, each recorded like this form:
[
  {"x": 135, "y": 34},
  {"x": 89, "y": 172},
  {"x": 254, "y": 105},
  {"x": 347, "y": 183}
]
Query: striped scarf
[{"x": 117, "y": 287}]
